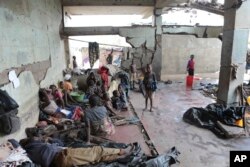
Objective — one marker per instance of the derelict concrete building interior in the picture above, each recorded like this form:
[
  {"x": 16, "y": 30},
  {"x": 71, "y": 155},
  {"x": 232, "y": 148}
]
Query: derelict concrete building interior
[{"x": 40, "y": 37}]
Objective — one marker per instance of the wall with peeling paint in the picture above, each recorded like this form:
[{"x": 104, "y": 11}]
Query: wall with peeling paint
[
  {"x": 31, "y": 45},
  {"x": 176, "y": 50}
]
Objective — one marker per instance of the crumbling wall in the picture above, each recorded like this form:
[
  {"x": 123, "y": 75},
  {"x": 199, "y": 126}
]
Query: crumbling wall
[
  {"x": 169, "y": 53},
  {"x": 30, "y": 44},
  {"x": 142, "y": 40},
  {"x": 176, "y": 50}
]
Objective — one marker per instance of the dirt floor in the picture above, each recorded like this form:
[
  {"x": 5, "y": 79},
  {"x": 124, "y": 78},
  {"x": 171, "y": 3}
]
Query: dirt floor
[{"x": 198, "y": 147}]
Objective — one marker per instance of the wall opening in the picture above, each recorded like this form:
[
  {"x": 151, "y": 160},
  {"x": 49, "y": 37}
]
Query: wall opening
[
  {"x": 78, "y": 46},
  {"x": 191, "y": 17},
  {"x": 95, "y": 16}
]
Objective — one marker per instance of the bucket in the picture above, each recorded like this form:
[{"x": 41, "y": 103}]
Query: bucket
[
  {"x": 189, "y": 81},
  {"x": 77, "y": 96}
]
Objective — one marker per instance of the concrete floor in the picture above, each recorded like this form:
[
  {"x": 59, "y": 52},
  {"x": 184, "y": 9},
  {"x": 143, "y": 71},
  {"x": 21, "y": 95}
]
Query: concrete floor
[{"x": 198, "y": 147}]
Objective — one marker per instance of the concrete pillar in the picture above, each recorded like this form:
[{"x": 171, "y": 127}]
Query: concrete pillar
[
  {"x": 67, "y": 54},
  {"x": 157, "y": 64},
  {"x": 234, "y": 49},
  {"x": 158, "y": 21}
]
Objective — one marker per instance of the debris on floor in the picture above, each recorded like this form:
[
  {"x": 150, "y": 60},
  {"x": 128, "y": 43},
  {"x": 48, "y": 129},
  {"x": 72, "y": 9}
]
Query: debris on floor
[
  {"x": 209, "y": 90},
  {"x": 213, "y": 115}
]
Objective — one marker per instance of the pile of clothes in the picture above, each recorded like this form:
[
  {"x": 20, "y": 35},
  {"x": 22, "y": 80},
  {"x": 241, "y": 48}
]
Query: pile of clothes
[
  {"x": 13, "y": 155},
  {"x": 211, "y": 116},
  {"x": 209, "y": 90}
]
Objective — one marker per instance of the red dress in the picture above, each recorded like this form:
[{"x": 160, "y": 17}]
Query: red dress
[{"x": 103, "y": 71}]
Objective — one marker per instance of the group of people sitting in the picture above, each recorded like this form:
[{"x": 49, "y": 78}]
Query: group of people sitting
[{"x": 58, "y": 103}]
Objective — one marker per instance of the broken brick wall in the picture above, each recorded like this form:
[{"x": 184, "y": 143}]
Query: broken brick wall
[{"x": 30, "y": 44}]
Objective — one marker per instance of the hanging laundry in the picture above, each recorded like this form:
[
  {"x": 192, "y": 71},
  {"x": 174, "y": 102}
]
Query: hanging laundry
[{"x": 93, "y": 53}]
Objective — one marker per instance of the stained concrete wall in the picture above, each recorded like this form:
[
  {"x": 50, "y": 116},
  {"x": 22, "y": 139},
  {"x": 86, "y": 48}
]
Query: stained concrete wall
[
  {"x": 142, "y": 39},
  {"x": 30, "y": 35},
  {"x": 176, "y": 50}
]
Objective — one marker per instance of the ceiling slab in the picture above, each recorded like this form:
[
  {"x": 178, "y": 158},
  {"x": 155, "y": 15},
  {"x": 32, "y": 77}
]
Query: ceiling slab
[
  {"x": 108, "y": 2},
  {"x": 109, "y": 10},
  {"x": 170, "y": 3}
]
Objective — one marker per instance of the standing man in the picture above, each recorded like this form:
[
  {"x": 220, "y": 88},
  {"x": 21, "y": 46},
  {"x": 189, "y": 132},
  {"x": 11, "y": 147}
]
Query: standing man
[
  {"x": 132, "y": 75},
  {"x": 190, "y": 66}
]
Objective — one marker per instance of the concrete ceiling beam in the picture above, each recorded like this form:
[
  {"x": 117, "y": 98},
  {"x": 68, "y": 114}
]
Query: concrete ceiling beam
[
  {"x": 78, "y": 31},
  {"x": 108, "y": 3},
  {"x": 208, "y": 9},
  {"x": 168, "y": 3}
]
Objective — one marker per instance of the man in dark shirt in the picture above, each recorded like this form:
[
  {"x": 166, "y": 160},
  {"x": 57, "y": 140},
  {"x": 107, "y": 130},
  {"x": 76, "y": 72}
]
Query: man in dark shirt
[
  {"x": 41, "y": 153},
  {"x": 48, "y": 155}
]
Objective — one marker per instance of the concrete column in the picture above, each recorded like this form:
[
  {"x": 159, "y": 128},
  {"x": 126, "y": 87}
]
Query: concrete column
[
  {"x": 234, "y": 50},
  {"x": 158, "y": 21},
  {"x": 157, "y": 59},
  {"x": 67, "y": 54}
]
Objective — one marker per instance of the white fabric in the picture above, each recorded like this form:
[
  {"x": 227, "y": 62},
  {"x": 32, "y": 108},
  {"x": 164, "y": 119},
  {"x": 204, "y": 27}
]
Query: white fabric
[
  {"x": 51, "y": 108},
  {"x": 67, "y": 77},
  {"x": 12, "y": 157}
]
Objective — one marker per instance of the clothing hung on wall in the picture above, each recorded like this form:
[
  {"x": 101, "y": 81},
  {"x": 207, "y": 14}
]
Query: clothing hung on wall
[{"x": 93, "y": 53}]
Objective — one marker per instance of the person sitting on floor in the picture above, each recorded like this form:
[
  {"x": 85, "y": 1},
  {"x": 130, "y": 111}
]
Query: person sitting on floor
[
  {"x": 108, "y": 104},
  {"x": 104, "y": 73},
  {"x": 117, "y": 101},
  {"x": 47, "y": 155},
  {"x": 123, "y": 97},
  {"x": 67, "y": 98},
  {"x": 124, "y": 81},
  {"x": 50, "y": 107},
  {"x": 58, "y": 96},
  {"x": 92, "y": 89},
  {"x": 99, "y": 89},
  {"x": 67, "y": 85},
  {"x": 97, "y": 120},
  {"x": 91, "y": 77}
]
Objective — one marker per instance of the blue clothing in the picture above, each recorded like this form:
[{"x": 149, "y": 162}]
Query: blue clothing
[
  {"x": 149, "y": 81},
  {"x": 118, "y": 103},
  {"x": 95, "y": 114},
  {"x": 42, "y": 153}
]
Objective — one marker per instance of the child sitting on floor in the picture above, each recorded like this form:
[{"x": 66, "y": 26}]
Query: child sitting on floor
[
  {"x": 92, "y": 89},
  {"x": 117, "y": 101}
]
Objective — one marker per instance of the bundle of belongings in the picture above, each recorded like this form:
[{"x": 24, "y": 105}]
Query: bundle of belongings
[
  {"x": 213, "y": 115},
  {"x": 13, "y": 155},
  {"x": 209, "y": 90},
  {"x": 9, "y": 121}
]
